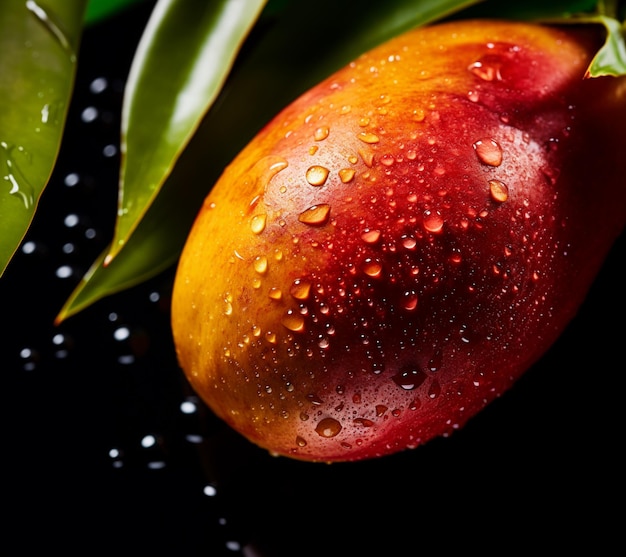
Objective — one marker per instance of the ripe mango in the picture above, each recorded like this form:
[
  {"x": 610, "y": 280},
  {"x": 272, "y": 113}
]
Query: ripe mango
[{"x": 396, "y": 247}]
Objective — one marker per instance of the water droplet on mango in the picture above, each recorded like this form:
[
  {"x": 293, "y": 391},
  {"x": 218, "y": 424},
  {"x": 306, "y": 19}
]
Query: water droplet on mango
[
  {"x": 409, "y": 301},
  {"x": 381, "y": 409},
  {"x": 228, "y": 308},
  {"x": 434, "y": 364},
  {"x": 370, "y": 236},
  {"x": 435, "y": 390},
  {"x": 346, "y": 175},
  {"x": 368, "y": 157},
  {"x": 487, "y": 70},
  {"x": 433, "y": 222},
  {"x": 275, "y": 293},
  {"x": 260, "y": 264},
  {"x": 488, "y": 151},
  {"x": 363, "y": 422},
  {"x": 321, "y": 133},
  {"x": 300, "y": 289},
  {"x": 317, "y": 175},
  {"x": 257, "y": 223},
  {"x": 316, "y": 215},
  {"x": 387, "y": 160},
  {"x": 408, "y": 242},
  {"x": 368, "y": 137},
  {"x": 419, "y": 115},
  {"x": 328, "y": 427},
  {"x": 372, "y": 268},
  {"x": 293, "y": 321},
  {"x": 409, "y": 379},
  {"x": 498, "y": 190},
  {"x": 314, "y": 399}
]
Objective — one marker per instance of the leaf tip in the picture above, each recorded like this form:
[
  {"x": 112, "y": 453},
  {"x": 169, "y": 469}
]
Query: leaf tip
[
  {"x": 112, "y": 253},
  {"x": 63, "y": 314},
  {"x": 59, "y": 319}
]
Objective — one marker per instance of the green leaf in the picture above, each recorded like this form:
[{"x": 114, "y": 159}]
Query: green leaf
[
  {"x": 611, "y": 58},
  {"x": 97, "y": 10},
  {"x": 186, "y": 52},
  {"x": 38, "y": 46},
  {"x": 292, "y": 50},
  {"x": 530, "y": 9}
]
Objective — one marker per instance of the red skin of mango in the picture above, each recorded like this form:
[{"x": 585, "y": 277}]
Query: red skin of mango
[{"x": 401, "y": 243}]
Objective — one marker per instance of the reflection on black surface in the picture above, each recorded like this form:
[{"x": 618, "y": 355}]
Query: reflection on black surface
[{"x": 109, "y": 453}]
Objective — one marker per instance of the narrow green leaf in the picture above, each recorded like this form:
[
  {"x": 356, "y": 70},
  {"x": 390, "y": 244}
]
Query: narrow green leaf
[
  {"x": 295, "y": 49},
  {"x": 38, "y": 46},
  {"x": 181, "y": 63}
]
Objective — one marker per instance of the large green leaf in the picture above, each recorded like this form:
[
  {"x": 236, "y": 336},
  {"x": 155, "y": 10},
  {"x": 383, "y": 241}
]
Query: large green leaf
[
  {"x": 38, "y": 49},
  {"x": 286, "y": 55},
  {"x": 186, "y": 52}
]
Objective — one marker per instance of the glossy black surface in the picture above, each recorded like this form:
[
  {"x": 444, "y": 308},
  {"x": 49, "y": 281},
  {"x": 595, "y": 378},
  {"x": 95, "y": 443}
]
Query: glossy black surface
[{"x": 107, "y": 452}]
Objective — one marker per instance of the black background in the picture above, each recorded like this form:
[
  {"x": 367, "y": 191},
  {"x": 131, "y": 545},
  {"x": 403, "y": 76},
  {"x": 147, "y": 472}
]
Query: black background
[{"x": 540, "y": 469}]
